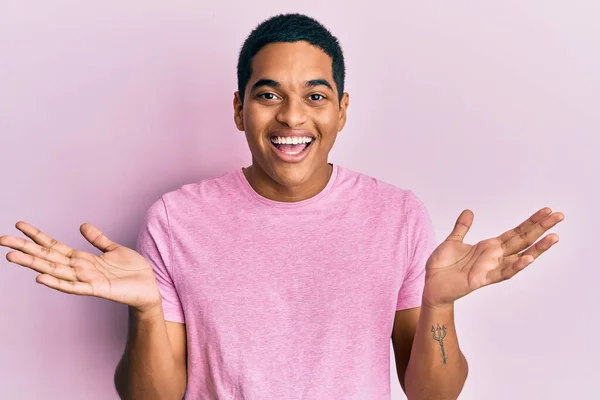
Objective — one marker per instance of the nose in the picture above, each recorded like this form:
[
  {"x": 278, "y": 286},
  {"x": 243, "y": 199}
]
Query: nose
[{"x": 292, "y": 113}]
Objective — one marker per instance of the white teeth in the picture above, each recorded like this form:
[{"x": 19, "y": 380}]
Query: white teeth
[{"x": 291, "y": 140}]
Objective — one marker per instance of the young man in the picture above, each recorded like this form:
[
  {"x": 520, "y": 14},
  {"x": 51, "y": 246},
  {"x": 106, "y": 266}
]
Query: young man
[{"x": 287, "y": 279}]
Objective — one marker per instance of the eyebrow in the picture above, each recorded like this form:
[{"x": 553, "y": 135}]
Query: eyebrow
[
  {"x": 308, "y": 84},
  {"x": 265, "y": 82},
  {"x": 318, "y": 82}
]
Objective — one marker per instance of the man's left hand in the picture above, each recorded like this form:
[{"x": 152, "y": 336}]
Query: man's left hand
[{"x": 455, "y": 268}]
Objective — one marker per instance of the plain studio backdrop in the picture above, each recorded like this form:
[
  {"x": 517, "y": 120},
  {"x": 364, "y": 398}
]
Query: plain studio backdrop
[{"x": 106, "y": 105}]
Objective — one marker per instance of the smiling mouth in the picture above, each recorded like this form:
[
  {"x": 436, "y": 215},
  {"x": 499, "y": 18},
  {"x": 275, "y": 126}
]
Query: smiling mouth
[{"x": 291, "y": 146}]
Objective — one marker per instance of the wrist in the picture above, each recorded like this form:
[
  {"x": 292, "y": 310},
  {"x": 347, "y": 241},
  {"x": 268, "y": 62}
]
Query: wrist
[
  {"x": 146, "y": 313},
  {"x": 436, "y": 304},
  {"x": 435, "y": 294}
]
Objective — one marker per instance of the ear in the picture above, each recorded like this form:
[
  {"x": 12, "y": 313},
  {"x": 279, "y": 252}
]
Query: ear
[
  {"x": 238, "y": 108},
  {"x": 343, "y": 110}
]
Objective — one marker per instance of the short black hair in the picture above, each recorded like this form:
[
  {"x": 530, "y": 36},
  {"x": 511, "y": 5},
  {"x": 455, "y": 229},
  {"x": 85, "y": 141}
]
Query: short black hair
[{"x": 289, "y": 28}]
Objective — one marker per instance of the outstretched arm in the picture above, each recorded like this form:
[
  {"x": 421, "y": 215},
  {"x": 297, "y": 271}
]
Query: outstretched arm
[
  {"x": 429, "y": 362},
  {"x": 153, "y": 365},
  {"x": 436, "y": 368}
]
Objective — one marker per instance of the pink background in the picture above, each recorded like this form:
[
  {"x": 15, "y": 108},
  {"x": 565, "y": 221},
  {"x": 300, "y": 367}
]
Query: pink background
[{"x": 105, "y": 105}]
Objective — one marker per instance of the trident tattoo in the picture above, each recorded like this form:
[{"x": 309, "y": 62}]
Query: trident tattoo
[{"x": 439, "y": 334}]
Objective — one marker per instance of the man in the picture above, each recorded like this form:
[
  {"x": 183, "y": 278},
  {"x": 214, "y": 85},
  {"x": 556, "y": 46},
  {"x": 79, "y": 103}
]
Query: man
[{"x": 286, "y": 279}]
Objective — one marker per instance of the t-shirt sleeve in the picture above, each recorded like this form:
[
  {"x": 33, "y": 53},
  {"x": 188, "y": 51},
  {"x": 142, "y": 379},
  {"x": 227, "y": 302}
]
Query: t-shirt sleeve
[
  {"x": 420, "y": 243},
  {"x": 154, "y": 243}
]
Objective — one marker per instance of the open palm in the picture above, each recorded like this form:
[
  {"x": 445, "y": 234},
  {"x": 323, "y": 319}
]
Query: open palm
[
  {"x": 455, "y": 268},
  {"x": 119, "y": 274}
]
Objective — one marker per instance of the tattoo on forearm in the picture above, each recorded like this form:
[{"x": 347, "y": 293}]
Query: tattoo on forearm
[{"x": 439, "y": 334}]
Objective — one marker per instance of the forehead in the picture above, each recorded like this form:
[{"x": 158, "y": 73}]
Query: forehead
[{"x": 291, "y": 63}]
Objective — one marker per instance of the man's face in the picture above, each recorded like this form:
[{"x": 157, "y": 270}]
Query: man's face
[{"x": 291, "y": 112}]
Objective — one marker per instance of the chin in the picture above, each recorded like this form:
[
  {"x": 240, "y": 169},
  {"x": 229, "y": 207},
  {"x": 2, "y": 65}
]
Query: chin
[{"x": 291, "y": 175}]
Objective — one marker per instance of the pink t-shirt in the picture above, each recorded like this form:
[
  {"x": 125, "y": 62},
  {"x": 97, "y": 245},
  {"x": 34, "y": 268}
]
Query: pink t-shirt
[{"x": 288, "y": 300}]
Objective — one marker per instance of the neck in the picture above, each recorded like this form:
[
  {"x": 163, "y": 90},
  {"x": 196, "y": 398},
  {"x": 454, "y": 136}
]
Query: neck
[{"x": 265, "y": 186}]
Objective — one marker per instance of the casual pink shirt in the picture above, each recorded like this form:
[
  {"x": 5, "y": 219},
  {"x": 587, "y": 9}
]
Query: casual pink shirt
[{"x": 288, "y": 300}]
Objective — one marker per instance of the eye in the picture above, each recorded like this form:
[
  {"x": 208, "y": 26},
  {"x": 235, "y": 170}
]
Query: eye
[
  {"x": 316, "y": 97},
  {"x": 267, "y": 96}
]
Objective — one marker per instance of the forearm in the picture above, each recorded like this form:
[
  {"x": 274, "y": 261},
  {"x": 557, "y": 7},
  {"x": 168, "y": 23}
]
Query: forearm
[
  {"x": 437, "y": 369},
  {"x": 148, "y": 369}
]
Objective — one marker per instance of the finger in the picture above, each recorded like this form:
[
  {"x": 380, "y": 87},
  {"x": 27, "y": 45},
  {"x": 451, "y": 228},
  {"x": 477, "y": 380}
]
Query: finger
[
  {"x": 33, "y": 249},
  {"x": 42, "y": 266},
  {"x": 509, "y": 270},
  {"x": 516, "y": 263},
  {"x": 541, "y": 246},
  {"x": 525, "y": 225},
  {"x": 97, "y": 238},
  {"x": 526, "y": 238},
  {"x": 43, "y": 239},
  {"x": 70, "y": 287},
  {"x": 462, "y": 226}
]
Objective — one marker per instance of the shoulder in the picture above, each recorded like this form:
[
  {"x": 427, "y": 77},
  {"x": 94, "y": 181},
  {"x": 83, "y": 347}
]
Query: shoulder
[
  {"x": 196, "y": 196},
  {"x": 380, "y": 193},
  {"x": 203, "y": 189}
]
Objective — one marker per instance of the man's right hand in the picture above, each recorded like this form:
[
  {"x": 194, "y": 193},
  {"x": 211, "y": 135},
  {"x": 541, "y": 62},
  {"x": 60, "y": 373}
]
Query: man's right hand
[{"x": 120, "y": 274}]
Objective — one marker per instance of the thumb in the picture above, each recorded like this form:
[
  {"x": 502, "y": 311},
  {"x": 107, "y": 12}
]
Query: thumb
[
  {"x": 462, "y": 226},
  {"x": 97, "y": 238}
]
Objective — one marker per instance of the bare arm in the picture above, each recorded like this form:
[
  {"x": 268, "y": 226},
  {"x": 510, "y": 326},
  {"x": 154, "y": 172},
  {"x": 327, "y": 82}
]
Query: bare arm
[
  {"x": 405, "y": 326},
  {"x": 153, "y": 365},
  {"x": 154, "y": 362},
  {"x": 429, "y": 361},
  {"x": 436, "y": 368}
]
